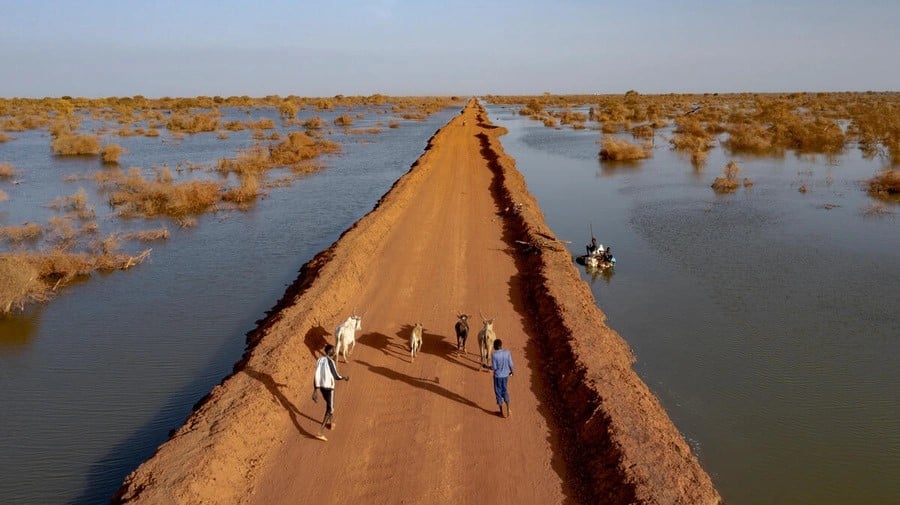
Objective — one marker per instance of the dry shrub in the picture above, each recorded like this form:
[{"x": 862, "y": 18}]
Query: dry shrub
[
  {"x": 698, "y": 158},
  {"x": 886, "y": 184},
  {"x": 611, "y": 127},
  {"x": 298, "y": 147},
  {"x": 313, "y": 123},
  {"x": 21, "y": 233},
  {"x": 193, "y": 123},
  {"x": 253, "y": 159},
  {"x": 729, "y": 182},
  {"x": 222, "y": 135},
  {"x": 71, "y": 144},
  {"x": 343, "y": 120},
  {"x": 136, "y": 196},
  {"x": 76, "y": 203},
  {"x": 62, "y": 233},
  {"x": 151, "y": 132},
  {"x": 147, "y": 235},
  {"x": 393, "y": 124},
  {"x": 6, "y": 170},
  {"x": 752, "y": 139},
  {"x": 20, "y": 283},
  {"x": 613, "y": 149},
  {"x": 4, "y": 137},
  {"x": 33, "y": 277},
  {"x": 643, "y": 132},
  {"x": 3, "y": 196},
  {"x": 571, "y": 117},
  {"x": 748, "y": 183},
  {"x": 111, "y": 152},
  {"x": 550, "y": 122},
  {"x": 246, "y": 192},
  {"x": 262, "y": 124}
]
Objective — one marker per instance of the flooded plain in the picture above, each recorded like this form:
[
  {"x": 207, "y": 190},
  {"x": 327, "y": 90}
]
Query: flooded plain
[
  {"x": 765, "y": 320},
  {"x": 92, "y": 382}
]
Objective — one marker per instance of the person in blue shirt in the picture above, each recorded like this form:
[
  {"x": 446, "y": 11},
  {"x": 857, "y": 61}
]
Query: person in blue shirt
[{"x": 502, "y": 365}]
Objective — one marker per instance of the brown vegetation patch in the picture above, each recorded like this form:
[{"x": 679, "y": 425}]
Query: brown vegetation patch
[
  {"x": 133, "y": 195},
  {"x": 193, "y": 123},
  {"x": 110, "y": 153},
  {"x": 73, "y": 144},
  {"x": 33, "y": 277},
  {"x": 21, "y": 233},
  {"x": 4, "y": 137},
  {"x": 6, "y": 170},
  {"x": 886, "y": 184},
  {"x": 729, "y": 181},
  {"x": 76, "y": 204},
  {"x": 613, "y": 149}
]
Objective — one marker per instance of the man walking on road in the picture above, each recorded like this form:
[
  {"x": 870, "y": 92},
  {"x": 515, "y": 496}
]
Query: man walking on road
[
  {"x": 326, "y": 375},
  {"x": 502, "y": 365}
]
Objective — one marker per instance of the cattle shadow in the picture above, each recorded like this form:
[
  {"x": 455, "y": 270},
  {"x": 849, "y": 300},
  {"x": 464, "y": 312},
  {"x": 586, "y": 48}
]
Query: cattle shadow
[
  {"x": 275, "y": 389},
  {"x": 384, "y": 343},
  {"x": 434, "y": 344},
  {"x": 315, "y": 339},
  {"x": 430, "y": 385}
]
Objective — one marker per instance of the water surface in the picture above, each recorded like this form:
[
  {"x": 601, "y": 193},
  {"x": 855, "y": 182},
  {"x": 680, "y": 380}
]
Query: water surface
[{"x": 766, "y": 321}]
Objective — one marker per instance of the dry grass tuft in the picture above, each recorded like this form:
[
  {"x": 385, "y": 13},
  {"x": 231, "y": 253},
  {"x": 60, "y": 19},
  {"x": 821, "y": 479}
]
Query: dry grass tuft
[
  {"x": 886, "y": 184},
  {"x": 343, "y": 120},
  {"x": 6, "y": 170},
  {"x": 4, "y": 137},
  {"x": 613, "y": 149},
  {"x": 147, "y": 235},
  {"x": 193, "y": 123},
  {"x": 20, "y": 284},
  {"x": 247, "y": 192},
  {"x": 71, "y": 144},
  {"x": 21, "y": 233},
  {"x": 76, "y": 204},
  {"x": 111, "y": 152},
  {"x": 729, "y": 182}
]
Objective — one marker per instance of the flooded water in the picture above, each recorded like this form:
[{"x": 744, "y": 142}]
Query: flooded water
[
  {"x": 92, "y": 383},
  {"x": 766, "y": 321}
]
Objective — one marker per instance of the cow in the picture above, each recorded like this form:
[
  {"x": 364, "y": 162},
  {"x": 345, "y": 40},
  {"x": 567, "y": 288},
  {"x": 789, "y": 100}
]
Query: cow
[
  {"x": 345, "y": 336},
  {"x": 415, "y": 341},
  {"x": 462, "y": 332},
  {"x": 486, "y": 339}
]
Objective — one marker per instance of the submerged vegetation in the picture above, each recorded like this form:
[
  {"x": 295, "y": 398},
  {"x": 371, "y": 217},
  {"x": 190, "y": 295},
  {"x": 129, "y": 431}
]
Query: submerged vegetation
[
  {"x": 38, "y": 258},
  {"x": 742, "y": 124}
]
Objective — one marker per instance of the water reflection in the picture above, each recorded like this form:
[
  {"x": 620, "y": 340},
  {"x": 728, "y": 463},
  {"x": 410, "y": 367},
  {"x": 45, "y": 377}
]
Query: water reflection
[{"x": 16, "y": 330}]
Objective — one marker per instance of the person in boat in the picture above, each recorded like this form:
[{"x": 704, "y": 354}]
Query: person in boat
[
  {"x": 592, "y": 247},
  {"x": 607, "y": 254}
]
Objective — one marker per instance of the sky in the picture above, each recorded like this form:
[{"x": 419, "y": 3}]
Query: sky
[{"x": 92, "y": 48}]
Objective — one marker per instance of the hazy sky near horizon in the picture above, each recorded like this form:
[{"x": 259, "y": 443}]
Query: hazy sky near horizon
[{"x": 160, "y": 48}]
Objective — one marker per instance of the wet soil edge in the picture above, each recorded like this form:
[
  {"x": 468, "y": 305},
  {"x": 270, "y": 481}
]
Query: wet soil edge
[{"x": 620, "y": 445}]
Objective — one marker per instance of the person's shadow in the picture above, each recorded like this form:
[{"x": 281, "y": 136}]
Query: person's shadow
[{"x": 274, "y": 388}]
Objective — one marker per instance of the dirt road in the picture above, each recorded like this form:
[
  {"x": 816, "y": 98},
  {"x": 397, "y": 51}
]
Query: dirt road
[{"x": 442, "y": 241}]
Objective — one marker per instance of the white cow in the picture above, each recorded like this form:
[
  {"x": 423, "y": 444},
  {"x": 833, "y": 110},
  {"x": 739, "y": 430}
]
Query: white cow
[
  {"x": 415, "y": 341},
  {"x": 486, "y": 339},
  {"x": 345, "y": 336}
]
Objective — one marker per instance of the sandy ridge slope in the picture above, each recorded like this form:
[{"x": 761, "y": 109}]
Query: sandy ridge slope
[
  {"x": 619, "y": 444},
  {"x": 616, "y": 431}
]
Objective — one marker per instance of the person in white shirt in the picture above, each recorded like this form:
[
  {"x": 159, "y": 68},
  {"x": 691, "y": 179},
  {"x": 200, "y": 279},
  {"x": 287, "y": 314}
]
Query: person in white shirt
[{"x": 324, "y": 380}]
